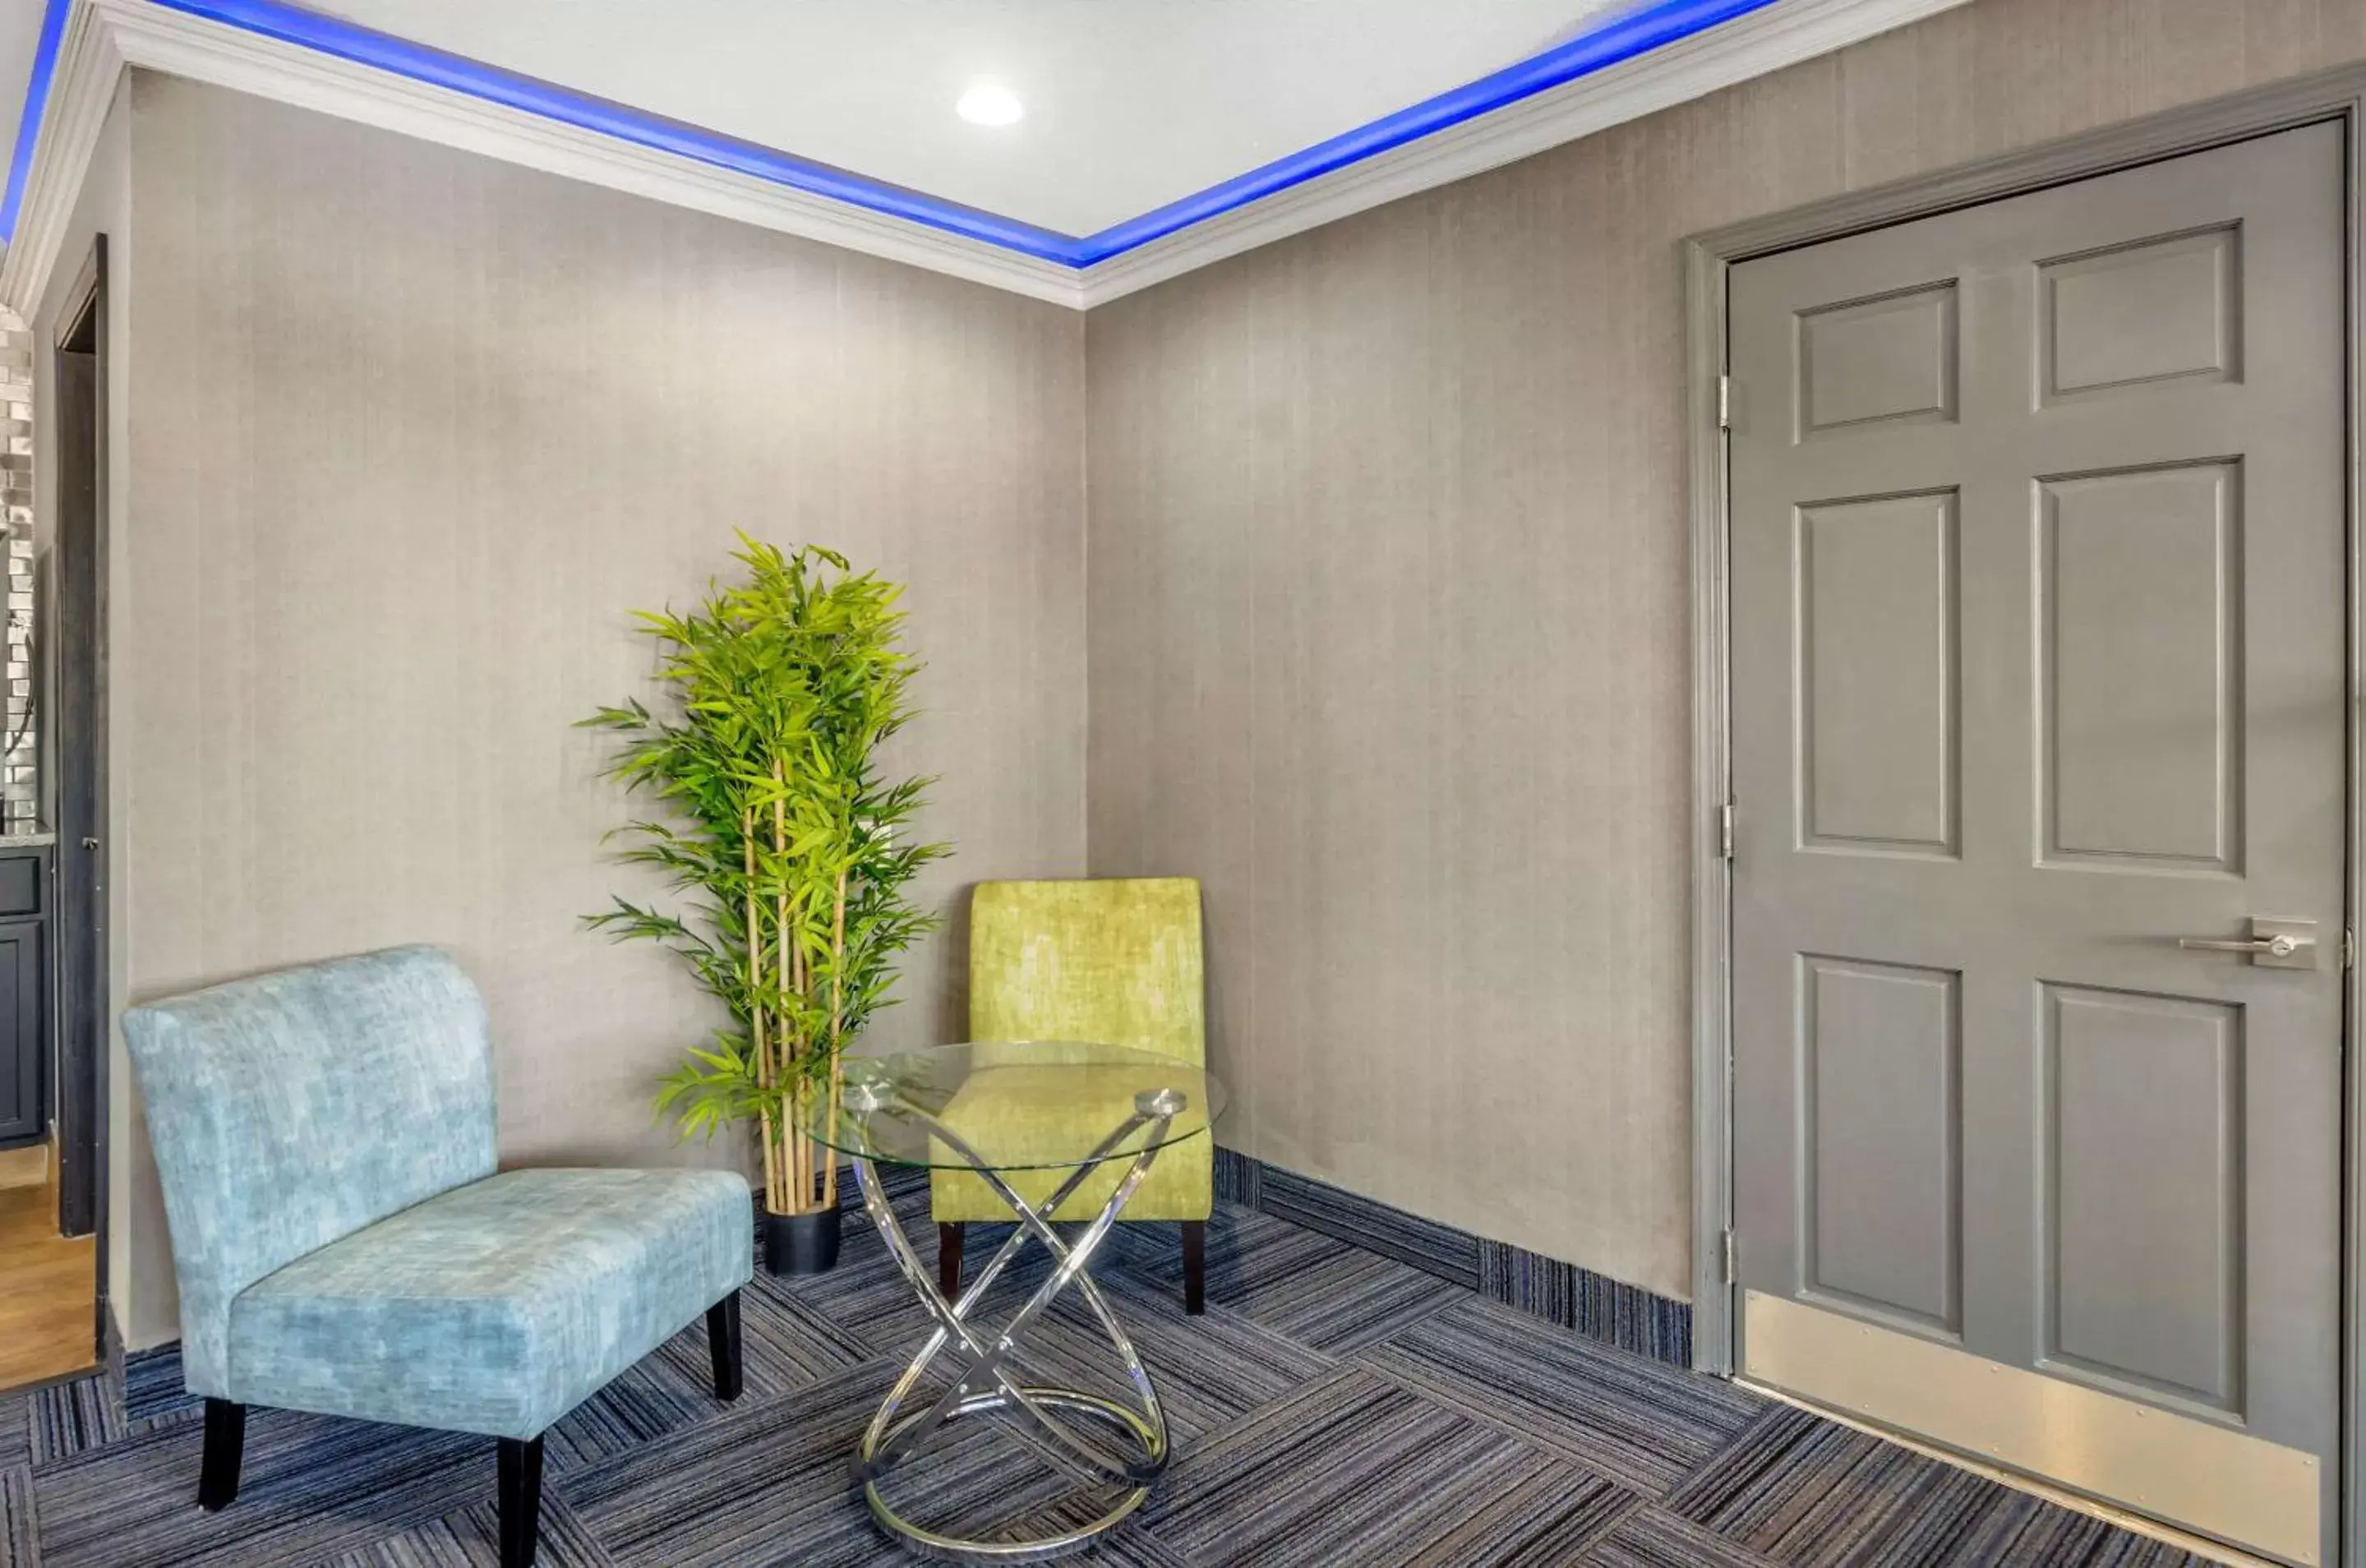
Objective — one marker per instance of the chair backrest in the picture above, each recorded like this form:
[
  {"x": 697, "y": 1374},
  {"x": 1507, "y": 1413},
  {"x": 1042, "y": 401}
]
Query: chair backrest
[
  {"x": 293, "y": 1108},
  {"x": 1114, "y": 961}
]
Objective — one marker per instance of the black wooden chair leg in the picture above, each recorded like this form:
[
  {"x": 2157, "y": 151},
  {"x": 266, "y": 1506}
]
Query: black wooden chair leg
[
  {"x": 520, "y": 1507},
  {"x": 1195, "y": 1267},
  {"x": 723, "y": 1344},
  {"x": 225, "y": 1449},
  {"x": 948, "y": 1258}
]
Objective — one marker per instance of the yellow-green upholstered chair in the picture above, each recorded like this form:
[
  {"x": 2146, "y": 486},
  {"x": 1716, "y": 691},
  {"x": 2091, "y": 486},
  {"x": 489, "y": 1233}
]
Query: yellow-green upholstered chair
[{"x": 1111, "y": 962}]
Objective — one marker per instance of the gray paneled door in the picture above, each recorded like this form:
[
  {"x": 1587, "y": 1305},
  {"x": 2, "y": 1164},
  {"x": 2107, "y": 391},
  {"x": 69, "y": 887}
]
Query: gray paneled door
[{"x": 2038, "y": 666}]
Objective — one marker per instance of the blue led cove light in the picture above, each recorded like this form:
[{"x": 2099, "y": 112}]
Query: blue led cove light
[
  {"x": 1624, "y": 36},
  {"x": 28, "y": 124},
  {"x": 1621, "y": 38}
]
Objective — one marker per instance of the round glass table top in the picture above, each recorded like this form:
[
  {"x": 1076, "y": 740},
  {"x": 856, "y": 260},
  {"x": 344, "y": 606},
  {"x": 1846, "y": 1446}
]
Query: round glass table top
[{"x": 1018, "y": 1105}]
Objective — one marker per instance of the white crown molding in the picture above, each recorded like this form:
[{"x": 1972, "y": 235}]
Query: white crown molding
[
  {"x": 104, "y": 38},
  {"x": 1753, "y": 45},
  {"x": 125, "y": 33},
  {"x": 82, "y": 89}
]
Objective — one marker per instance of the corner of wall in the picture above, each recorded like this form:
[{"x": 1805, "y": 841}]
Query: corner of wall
[{"x": 1084, "y": 576}]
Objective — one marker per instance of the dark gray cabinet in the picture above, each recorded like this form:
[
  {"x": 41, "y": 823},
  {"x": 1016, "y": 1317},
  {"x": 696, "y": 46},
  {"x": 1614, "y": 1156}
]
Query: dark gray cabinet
[{"x": 24, "y": 1012}]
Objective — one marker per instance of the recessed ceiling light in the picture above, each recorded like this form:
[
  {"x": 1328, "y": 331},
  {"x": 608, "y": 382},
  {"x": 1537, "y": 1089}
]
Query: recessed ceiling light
[{"x": 989, "y": 103}]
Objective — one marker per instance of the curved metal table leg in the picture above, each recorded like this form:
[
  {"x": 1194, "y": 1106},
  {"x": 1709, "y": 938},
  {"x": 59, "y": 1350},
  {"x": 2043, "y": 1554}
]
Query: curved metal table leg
[{"x": 982, "y": 1385}]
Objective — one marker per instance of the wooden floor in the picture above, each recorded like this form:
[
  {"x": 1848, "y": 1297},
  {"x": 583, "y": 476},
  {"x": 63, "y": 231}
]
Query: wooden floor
[{"x": 47, "y": 1286}]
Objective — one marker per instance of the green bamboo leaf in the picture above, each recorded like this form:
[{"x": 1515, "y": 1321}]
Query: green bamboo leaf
[{"x": 777, "y": 689}]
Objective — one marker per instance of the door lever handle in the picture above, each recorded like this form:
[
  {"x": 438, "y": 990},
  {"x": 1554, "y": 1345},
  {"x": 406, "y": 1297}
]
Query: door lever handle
[{"x": 2273, "y": 944}]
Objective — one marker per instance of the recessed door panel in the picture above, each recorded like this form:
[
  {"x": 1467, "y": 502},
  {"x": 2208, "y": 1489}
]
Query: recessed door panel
[
  {"x": 1877, "y": 1055},
  {"x": 1878, "y": 361},
  {"x": 2135, "y": 315},
  {"x": 2143, "y": 1201},
  {"x": 2139, "y": 587},
  {"x": 1875, "y": 660}
]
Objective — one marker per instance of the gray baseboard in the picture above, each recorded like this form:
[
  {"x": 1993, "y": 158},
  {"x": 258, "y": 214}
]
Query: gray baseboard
[{"x": 1594, "y": 1304}]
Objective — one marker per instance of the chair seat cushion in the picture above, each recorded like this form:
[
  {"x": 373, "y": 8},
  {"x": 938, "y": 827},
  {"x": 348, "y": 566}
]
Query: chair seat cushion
[
  {"x": 1016, "y": 1115},
  {"x": 495, "y": 1307}
]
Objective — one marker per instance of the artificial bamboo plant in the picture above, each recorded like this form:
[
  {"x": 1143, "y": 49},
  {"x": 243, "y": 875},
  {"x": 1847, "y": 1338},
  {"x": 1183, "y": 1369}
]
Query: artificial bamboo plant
[{"x": 779, "y": 830}]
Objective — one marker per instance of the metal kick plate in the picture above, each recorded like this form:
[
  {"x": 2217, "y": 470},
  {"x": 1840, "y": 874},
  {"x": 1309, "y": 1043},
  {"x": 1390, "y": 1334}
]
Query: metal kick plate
[{"x": 2213, "y": 1479}]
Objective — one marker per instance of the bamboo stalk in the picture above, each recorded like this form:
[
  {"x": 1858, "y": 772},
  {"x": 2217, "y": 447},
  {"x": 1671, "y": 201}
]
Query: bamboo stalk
[
  {"x": 756, "y": 1010},
  {"x": 837, "y": 1018},
  {"x": 799, "y": 1155},
  {"x": 797, "y": 980},
  {"x": 800, "y": 1146},
  {"x": 771, "y": 1161}
]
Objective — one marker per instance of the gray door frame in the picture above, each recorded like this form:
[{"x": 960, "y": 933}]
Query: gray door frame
[{"x": 2338, "y": 95}]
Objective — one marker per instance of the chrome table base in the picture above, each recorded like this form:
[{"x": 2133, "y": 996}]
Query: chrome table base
[{"x": 982, "y": 1383}]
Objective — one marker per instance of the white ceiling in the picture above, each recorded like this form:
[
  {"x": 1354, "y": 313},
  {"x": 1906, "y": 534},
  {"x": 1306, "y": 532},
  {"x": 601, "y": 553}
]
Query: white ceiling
[
  {"x": 1130, "y": 104},
  {"x": 21, "y": 30}
]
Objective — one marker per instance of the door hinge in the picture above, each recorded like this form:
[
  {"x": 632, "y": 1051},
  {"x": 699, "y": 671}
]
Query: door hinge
[
  {"x": 1732, "y": 1258},
  {"x": 1725, "y": 402},
  {"x": 1725, "y": 830},
  {"x": 2349, "y": 948}
]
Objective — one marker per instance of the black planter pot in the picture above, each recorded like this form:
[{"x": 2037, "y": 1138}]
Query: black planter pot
[{"x": 801, "y": 1244}]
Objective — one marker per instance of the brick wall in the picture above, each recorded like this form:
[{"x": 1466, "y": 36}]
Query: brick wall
[{"x": 21, "y": 800}]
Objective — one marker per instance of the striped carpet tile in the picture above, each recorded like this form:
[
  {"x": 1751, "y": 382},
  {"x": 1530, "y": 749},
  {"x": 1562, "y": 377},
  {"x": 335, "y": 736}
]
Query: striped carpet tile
[
  {"x": 759, "y": 1484},
  {"x": 647, "y": 1401},
  {"x": 736, "y": 1486},
  {"x": 767, "y": 1485},
  {"x": 1929, "y": 1513},
  {"x": 2058, "y": 1535},
  {"x": 314, "y": 1487},
  {"x": 1314, "y": 1288},
  {"x": 787, "y": 1344},
  {"x": 1351, "y": 1470},
  {"x": 903, "y": 1182},
  {"x": 68, "y": 1417},
  {"x": 1641, "y": 1423},
  {"x": 469, "y": 1538},
  {"x": 153, "y": 1389},
  {"x": 1653, "y": 1537},
  {"x": 1209, "y": 1370},
  {"x": 784, "y": 1348},
  {"x": 1813, "y": 1494},
  {"x": 1144, "y": 1245},
  {"x": 868, "y": 1308},
  {"x": 18, "y": 1542},
  {"x": 16, "y": 1430},
  {"x": 1128, "y": 1546}
]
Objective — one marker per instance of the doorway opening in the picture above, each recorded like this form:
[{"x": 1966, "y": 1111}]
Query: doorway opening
[{"x": 53, "y": 1035}]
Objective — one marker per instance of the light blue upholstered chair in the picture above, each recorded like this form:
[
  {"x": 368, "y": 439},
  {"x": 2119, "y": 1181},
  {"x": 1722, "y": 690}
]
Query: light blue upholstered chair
[{"x": 345, "y": 1246}]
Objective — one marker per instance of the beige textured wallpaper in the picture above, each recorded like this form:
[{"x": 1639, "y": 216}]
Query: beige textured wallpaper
[
  {"x": 412, "y": 432},
  {"x": 1388, "y": 590}
]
